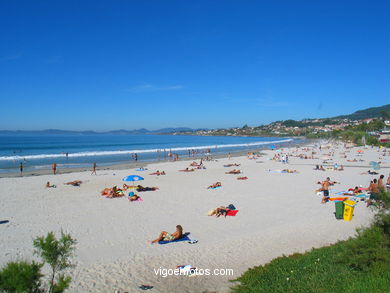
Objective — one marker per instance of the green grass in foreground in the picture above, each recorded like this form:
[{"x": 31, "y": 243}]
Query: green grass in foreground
[{"x": 360, "y": 264}]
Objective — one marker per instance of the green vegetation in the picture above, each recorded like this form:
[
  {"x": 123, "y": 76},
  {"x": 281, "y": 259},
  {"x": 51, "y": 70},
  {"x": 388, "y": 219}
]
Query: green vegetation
[
  {"x": 360, "y": 264},
  {"x": 355, "y": 134},
  {"x": 373, "y": 112},
  {"x": 23, "y": 276}
]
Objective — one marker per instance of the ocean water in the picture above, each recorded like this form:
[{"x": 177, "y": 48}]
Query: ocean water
[{"x": 71, "y": 151}]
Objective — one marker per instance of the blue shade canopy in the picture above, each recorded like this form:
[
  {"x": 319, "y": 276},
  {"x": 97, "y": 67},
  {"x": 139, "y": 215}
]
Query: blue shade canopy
[
  {"x": 375, "y": 165},
  {"x": 133, "y": 178}
]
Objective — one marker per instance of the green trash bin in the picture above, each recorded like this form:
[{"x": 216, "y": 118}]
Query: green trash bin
[{"x": 339, "y": 209}]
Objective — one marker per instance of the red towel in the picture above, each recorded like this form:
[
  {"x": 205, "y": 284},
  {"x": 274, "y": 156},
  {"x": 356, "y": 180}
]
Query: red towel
[{"x": 232, "y": 213}]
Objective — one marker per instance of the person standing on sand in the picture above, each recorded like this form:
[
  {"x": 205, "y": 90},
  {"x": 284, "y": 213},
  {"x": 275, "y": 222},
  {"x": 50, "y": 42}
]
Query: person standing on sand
[
  {"x": 325, "y": 190},
  {"x": 54, "y": 168},
  {"x": 388, "y": 183},
  {"x": 21, "y": 169},
  {"x": 94, "y": 169},
  {"x": 380, "y": 182}
]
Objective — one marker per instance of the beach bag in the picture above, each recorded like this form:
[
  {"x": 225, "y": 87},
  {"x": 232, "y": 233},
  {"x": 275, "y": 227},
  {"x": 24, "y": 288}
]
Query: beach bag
[{"x": 231, "y": 207}]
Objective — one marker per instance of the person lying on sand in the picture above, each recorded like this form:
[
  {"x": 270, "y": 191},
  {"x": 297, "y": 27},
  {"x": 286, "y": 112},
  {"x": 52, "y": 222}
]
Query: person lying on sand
[
  {"x": 221, "y": 211},
  {"x": 140, "y": 188},
  {"x": 112, "y": 192},
  {"x": 370, "y": 173},
  {"x": 50, "y": 186},
  {"x": 355, "y": 190},
  {"x": 233, "y": 172},
  {"x": 158, "y": 173},
  {"x": 125, "y": 186},
  {"x": 187, "y": 170},
  {"x": 242, "y": 178},
  {"x": 133, "y": 196},
  {"x": 74, "y": 183},
  {"x": 289, "y": 171},
  {"x": 194, "y": 164},
  {"x": 354, "y": 160},
  {"x": 165, "y": 236},
  {"x": 232, "y": 165},
  {"x": 215, "y": 185}
]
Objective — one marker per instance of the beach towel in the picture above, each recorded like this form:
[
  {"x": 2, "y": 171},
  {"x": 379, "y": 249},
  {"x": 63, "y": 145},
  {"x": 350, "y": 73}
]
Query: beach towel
[
  {"x": 232, "y": 213},
  {"x": 338, "y": 198},
  {"x": 184, "y": 238},
  {"x": 214, "y": 187},
  {"x": 141, "y": 169}
]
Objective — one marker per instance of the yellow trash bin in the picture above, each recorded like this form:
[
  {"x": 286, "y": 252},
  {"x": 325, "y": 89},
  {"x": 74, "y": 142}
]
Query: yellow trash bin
[{"x": 349, "y": 206}]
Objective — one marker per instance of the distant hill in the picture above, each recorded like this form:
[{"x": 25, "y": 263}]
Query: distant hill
[
  {"x": 366, "y": 113},
  {"x": 89, "y": 132}
]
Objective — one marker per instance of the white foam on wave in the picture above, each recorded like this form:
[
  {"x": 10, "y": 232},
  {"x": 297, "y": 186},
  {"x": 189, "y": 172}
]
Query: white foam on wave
[{"x": 126, "y": 152}]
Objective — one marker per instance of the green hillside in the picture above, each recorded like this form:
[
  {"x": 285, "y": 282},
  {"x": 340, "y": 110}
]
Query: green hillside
[{"x": 367, "y": 113}]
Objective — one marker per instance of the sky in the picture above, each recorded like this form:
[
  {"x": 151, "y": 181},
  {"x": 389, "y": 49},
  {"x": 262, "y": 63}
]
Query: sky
[{"x": 104, "y": 65}]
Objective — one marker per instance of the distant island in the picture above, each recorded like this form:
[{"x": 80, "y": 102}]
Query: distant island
[{"x": 91, "y": 132}]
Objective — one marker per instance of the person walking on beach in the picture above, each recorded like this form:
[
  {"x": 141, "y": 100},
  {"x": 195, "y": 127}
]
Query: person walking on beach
[
  {"x": 94, "y": 169},
  {"x": 136, "y": 157},
  {"x": 54, "y": 168},
  {"x": 21, "y": 169}
]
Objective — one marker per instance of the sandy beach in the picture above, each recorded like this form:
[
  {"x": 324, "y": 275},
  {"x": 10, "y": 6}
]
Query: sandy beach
[{"x": 279, "y": 213}]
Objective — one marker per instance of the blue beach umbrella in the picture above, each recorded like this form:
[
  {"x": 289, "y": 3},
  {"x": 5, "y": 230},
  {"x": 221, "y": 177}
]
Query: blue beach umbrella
[{"x": 132, "y": 178}]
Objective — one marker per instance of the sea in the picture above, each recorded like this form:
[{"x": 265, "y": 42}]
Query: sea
[{"x": 39, "y": 152}]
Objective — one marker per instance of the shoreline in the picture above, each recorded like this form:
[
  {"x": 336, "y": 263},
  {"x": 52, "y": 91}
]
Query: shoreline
[{"x": 133, "y": 164}]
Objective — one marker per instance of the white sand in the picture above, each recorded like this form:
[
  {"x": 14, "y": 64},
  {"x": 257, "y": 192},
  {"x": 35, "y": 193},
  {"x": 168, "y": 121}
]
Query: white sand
[{"x": 278, "y": 214}]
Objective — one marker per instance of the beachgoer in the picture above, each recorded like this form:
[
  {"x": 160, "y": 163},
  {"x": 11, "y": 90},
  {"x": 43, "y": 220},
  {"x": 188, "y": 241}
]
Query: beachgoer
[
  {"x": 215, "y": 185},
  {"x": 388, "y": 183},
  {"x": 325, "y": 190},
  {"x": 133, "y": 196},
  {"x": 380, "y": 182},
  {"x": 21, "y": 169},
  {"x": 74, "y": 183},
  {"x": 50, "y": 186},
  {"x": 140, "y": 188},
  {"x": 374, "y": 191},
  {"x": 165, "y": 236},
  {"x": 94, "y": 169},
  {"x": 233, "y": 172},
  {"x": 219, "y": 211},
  {"x": 54, "y": 168}
]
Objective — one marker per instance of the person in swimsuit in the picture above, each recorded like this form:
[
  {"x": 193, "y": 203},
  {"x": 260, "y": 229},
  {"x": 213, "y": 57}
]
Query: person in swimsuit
[
  {"x": 325, "y": 190},
  {"x": 21, "y": 169},
  {"x": 165, "y": 236},
  {"x": 94, "y": 169},
  {"x": 54, "y": 167},
  {"x": 374, "y": 191}
]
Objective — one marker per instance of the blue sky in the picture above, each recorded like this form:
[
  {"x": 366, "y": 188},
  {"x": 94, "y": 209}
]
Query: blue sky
[{"x": 105, "y": 65}]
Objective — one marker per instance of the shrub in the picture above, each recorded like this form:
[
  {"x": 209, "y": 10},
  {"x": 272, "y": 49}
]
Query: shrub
[
  {"x": 20, "y": 277},
  {"x": 56, "y": 253}
]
